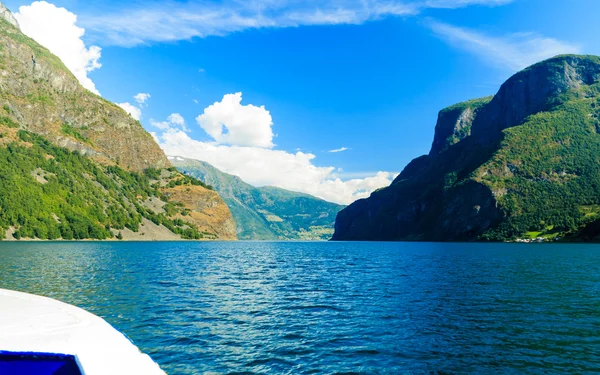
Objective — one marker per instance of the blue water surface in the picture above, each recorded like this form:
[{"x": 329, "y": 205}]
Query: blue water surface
[{"x": 332, "y": 308}]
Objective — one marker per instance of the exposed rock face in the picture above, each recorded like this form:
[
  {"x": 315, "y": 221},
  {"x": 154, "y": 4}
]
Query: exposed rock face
[
  {"x": 454, "y": 124},
  {"x": 42, "y": 105},
  {"x": 44, "y": 97},
  {"x": 533, "y": 90},
  {"x": 8, "y": 16},
  {"x": 417, "y": 212},
  {"x": 476, "y": 184},
  {"x": 206, "y": 209},
  {"x": 415, "y": 167}
]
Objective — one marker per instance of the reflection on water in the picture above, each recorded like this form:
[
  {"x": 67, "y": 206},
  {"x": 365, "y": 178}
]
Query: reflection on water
[{"x": 324, "y": 308}]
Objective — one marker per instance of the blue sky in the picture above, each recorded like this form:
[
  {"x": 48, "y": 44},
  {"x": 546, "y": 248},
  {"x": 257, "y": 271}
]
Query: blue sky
[{"x": 363, "y": 76}]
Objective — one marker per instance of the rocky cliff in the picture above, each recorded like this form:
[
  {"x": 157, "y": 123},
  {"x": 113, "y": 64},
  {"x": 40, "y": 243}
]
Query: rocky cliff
[
  {"x": 533, "y": 90},
  {"x": 454, "y": 124},
  {"x": 206, "y": 210},
  {"x": 76, "y": 166},
  {"x": 7, "y": 15},
  {"x": 45, "y": 98},
  {"x": 519, "y": 165}
]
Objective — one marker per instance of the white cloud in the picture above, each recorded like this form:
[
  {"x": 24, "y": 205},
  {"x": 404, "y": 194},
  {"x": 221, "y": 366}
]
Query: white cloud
[
  {"x": 133, "y": 111},
  {"x": 136, "y": 111},
  {"x": 453, "y": 4},
  {"x": 176, "y": 119},
  {"x": 141, "y": 98},
  {"x": 244, "y": 148},
  {"x": 157, "y": 21},
  {"x": 267, "y": 167},
  {"x": 174, "y": 122},
  {"x": 163, "y": 125},
  {"x": 230, "y": 122},
  {"x": 514, "y": 51},
  {"x": 341, "y": 149},
  {"x": 56, "y": 29}
]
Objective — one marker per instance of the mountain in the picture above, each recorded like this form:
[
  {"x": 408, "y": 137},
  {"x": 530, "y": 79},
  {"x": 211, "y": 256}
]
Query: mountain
[
  {"x": 266, "y": 213},
  {"x": 522, "y": 164},
  {"x": 73, "y": 165}
]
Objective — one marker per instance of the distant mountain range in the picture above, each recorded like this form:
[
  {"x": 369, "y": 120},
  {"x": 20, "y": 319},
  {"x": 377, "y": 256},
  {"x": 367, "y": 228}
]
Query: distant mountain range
[
  {"x": 266, "y": 213},
  {"x": 522, "y": 165}
]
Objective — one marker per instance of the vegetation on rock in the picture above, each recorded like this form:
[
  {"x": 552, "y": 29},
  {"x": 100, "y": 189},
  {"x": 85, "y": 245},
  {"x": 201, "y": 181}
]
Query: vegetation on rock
[
  {"x": 75, "y": 166},
  {"x": 528, "y": 168},
  {"x": 266, "y": 213},
  {"x": 46, "y": 99}
]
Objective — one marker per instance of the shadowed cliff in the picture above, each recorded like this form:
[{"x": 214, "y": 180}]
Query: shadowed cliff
[{"x": 520, "y": 164}]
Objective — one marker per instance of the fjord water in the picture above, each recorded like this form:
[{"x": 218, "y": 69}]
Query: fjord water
[{"x": 327, "y": 308}]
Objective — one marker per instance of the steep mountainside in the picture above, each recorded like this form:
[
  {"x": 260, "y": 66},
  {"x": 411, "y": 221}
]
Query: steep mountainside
[
  {"x": 45, "y": 98},
  {"x": 73, "y": 165},
  {"x": 523, "y": 164},
  {"x": 266, "y": 213}
]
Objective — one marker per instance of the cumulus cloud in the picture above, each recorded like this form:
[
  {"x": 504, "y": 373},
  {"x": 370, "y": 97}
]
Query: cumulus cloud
[
  {"x": 56, "y": 29},
  {"x": 159, "y": 21},
  {"x": 176, "y": 119},
  {"x": 243, "y": 147},
  {"x": 268, "y": 167},
  {"x": 142, "y": 98},
  {"x": 230, "y": 122},
  {"x": 514, "y": 51},
  {"x": 174, "y": 122},
  {"x": 133, "y": 111},
  {"x": 341, "y": 149}
]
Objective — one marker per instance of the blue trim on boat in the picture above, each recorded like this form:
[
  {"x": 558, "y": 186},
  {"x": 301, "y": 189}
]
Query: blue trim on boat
[{"x": 38, "y": 364}]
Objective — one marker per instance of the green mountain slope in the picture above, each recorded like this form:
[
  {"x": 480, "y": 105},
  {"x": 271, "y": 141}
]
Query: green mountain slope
[
  {"x": 266, "y": 213},
  {"x": 75, "y": 166},
  {"x": 523, "y": 164}
]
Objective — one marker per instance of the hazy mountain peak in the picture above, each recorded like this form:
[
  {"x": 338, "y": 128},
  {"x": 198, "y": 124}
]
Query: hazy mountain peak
[{"x": 265, "y": 213}]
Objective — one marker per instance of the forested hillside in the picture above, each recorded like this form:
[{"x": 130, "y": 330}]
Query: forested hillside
[
  {"x": 75, "y": 166},
  {"x": 266, "y": 213},
  {"x": 524, "y": 164}
]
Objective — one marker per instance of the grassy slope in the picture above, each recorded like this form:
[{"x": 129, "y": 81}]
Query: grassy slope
[
  {"x": 77, "y": 198},
  {"x": 40, "y": 52},
  {"x": 267, "y": 213}
]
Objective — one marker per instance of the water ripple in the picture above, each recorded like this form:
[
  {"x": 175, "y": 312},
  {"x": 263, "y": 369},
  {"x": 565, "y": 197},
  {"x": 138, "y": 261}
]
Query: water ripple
[{"x": 332, "y": 308}]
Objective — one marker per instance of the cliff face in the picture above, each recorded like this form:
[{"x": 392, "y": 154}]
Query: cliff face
[
  {"x": 520, "y": 164},
  {"x": 6, "y": 15},
  {"x": 75, "y": 166},
  {"x": 454, "y": 124},
  {"x": 46, "y": 99},
  {"x": 534, "y": 90},
  {"x": 206, "y": 209}
]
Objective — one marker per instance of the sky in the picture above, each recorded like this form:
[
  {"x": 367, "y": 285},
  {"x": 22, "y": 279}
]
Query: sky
[{"x": 329, "y": 97}]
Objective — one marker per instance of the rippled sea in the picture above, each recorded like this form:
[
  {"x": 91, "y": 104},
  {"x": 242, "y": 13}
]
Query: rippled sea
[{"x": 332, "y": 308}]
